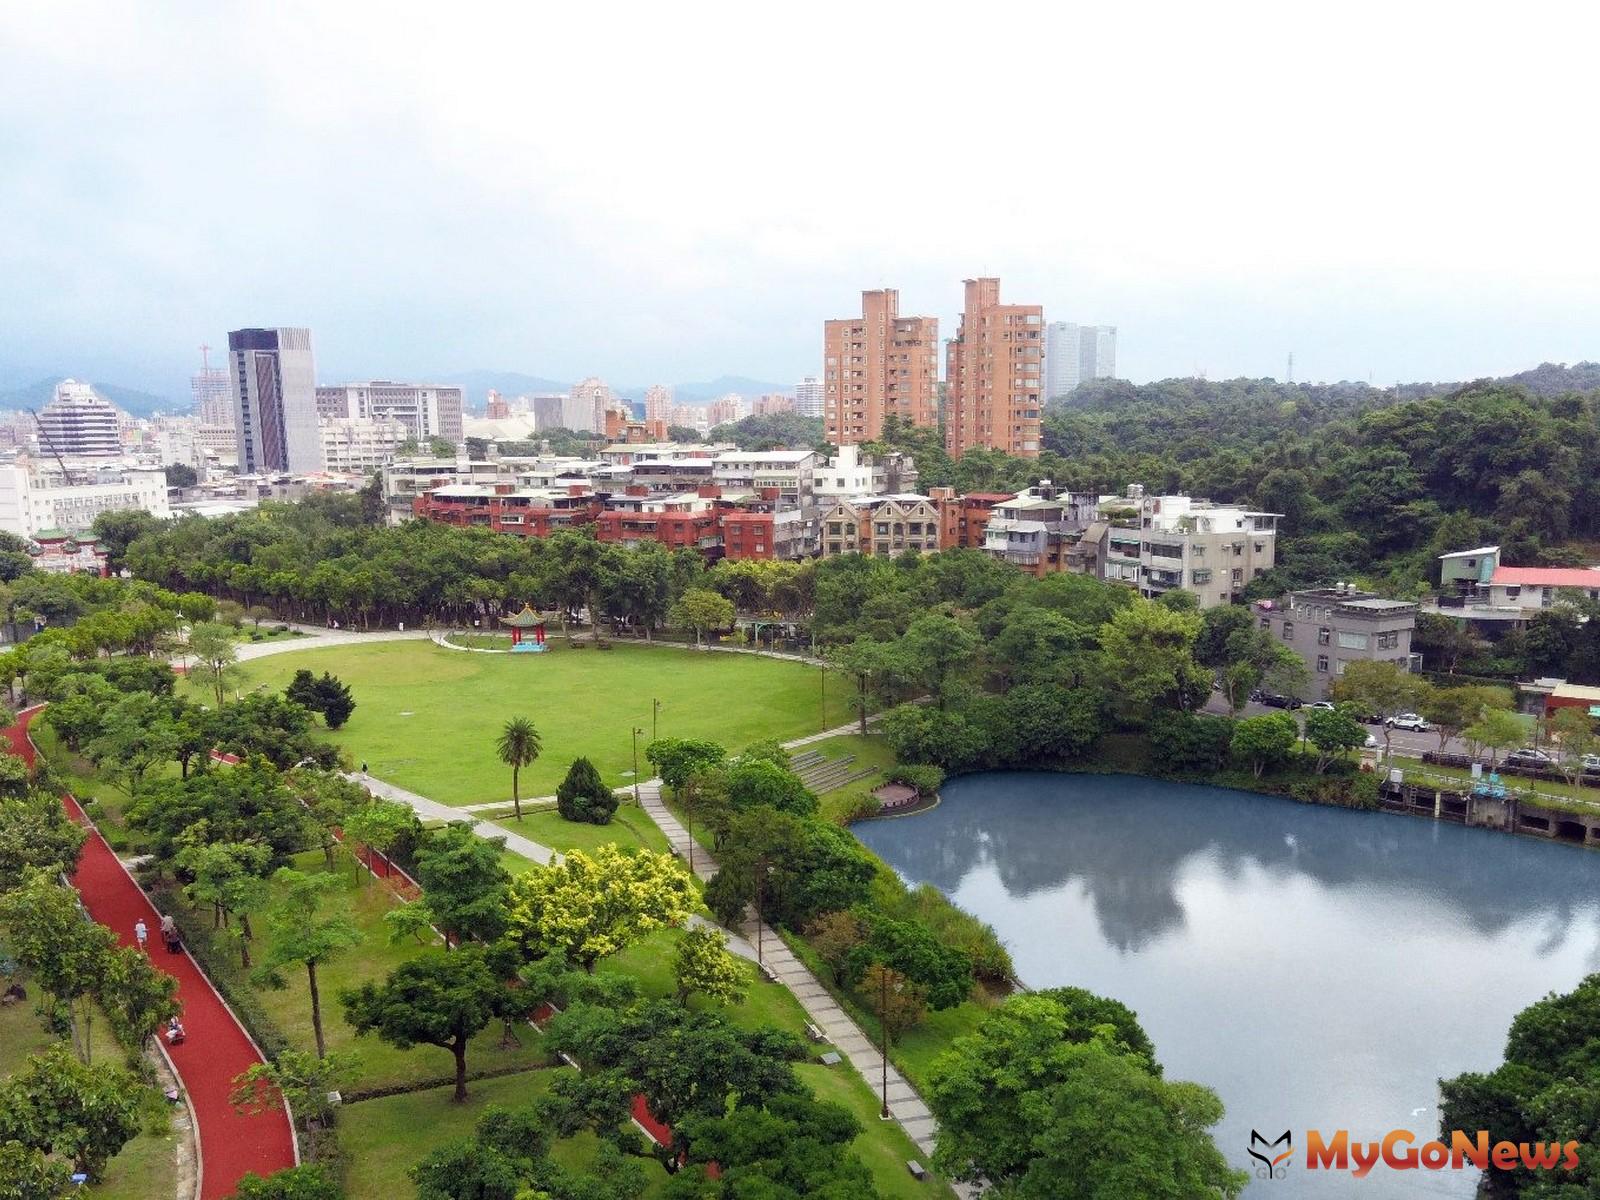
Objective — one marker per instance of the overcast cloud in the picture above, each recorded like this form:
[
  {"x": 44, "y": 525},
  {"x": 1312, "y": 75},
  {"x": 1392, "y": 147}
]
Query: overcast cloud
[{"x": 677, "y": 191}]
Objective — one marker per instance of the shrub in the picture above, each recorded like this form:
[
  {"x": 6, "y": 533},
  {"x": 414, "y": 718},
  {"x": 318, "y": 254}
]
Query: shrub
[
  {"x": 1356, "y": 790},
  {"x": 859, "y": 806},
  {"x": 1190, "y": 743},
  {"x": 583, "y": 795}
]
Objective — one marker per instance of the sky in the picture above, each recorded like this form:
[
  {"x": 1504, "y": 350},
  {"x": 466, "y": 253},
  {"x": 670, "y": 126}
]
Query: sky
[{"x": 661, "y": 192}]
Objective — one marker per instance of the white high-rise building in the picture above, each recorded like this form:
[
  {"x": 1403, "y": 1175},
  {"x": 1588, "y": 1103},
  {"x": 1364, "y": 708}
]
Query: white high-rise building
[
  {"x": 213, "y": 397},
  {"x": 274, "y": 386},
  {"x": 427, "y": 410},
  {"x": 28, "y": 508},
  {"x": 1075, "y": 354},
  {"x": 808, "y": 397},
  {"x": 658, "y": 403},
  {"x": 78, "y": 423}
]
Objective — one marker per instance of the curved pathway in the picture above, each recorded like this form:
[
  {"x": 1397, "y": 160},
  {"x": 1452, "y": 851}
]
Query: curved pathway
[{"x": 217, "y": 1048}]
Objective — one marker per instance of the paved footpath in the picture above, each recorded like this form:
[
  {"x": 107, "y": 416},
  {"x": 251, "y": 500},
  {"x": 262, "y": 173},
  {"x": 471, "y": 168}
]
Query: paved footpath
[{"x": 217, "y": 1048}]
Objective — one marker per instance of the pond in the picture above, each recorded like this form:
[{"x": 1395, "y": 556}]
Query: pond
[{"x": 1319, "y": 968}]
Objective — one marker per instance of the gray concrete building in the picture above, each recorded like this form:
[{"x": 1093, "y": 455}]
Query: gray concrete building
[
  {"x": 274, "y": 384},
  {"x": 1075, "y": 354},
  {"x": 426, "y": 410},
  {"x": 1329, "y": 628}
]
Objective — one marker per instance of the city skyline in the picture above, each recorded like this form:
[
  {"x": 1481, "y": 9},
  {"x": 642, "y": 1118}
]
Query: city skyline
[{"x": 1217, "y": 232}]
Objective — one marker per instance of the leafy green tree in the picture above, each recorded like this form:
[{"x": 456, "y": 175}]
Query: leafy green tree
[
  {"x": 334, "y": 701},
  {"x": 66, "y": 954},
  {"x": 912, "y": 950},
  {"x": 791, "y": 1142},
  {"x": 1262, "y": 742},
  {"x": 755, "y": 782},
  {"x": 1044, "y": 1110},
  {"x": 939, "y": 651},
  {"x": 377, "y": 824},
  {"x": 28, "y": 1174},
  {"x": 58, "y": 1105},
  {"x": 137, "y": 998},
  {"x": 1497, "y": 730},
  {"x": 583, "y": 795},
  {"x": 877, "y": 669},
  {"x": 677, "y": 760},
  {"x": 518, "y": 746},
  {"x": 1451, "y": 709},
  {"x": 1541, "y": 1092},
  {"x": 701, "y": 609},
  {"x": 803, "y": 868},
  {"x": 440, "y": 998},
  {"x": 1379, "y": 689},
  {"x": 36, "y": 834},
  {"x": 79, "y": 702},
  {"x": 304, "y": 1080},
  {"x": 1333, "y": 733},
  {"x": 136, "y": 733},
  {"x": 248, "y": 803},
  {"x": 1575, "y": 739},
  {"x": 684, "y": 1064},
  {"x": 1149, "y": 652},
  {"x": 898, "y": 1002},
  {"x": 703, "y": 964},
  {"x": 301, "y": 933},
  {"x": 215, "y": 646},
  {"x": 229, "y": 876},
  {"x": 591, "y": 905},
  {"x": 463, "y": 883}
]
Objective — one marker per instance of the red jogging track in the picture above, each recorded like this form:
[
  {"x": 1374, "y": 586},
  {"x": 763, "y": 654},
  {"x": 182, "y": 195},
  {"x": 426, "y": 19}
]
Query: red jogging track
[{"x": 216, "y": 1049}]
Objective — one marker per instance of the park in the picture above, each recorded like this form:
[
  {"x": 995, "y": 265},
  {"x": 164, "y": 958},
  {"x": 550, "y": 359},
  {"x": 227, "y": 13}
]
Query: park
[{"x": 428, "y": 715}]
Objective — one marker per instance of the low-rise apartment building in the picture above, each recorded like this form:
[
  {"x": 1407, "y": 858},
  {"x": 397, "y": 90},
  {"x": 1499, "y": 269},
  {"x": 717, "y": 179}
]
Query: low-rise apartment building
[
  {"x": 1330, "y": 628},
  {"x": 1034, "y": 529},
  {"x": 1476, "y": 588},
  {"x": 881, "y": 525},
  {"x": 359, "y": 445},
  {"x": 28, "y": 507},
  {"x": 964, "y": 520},
  {"x": 1162, "y": 543}
]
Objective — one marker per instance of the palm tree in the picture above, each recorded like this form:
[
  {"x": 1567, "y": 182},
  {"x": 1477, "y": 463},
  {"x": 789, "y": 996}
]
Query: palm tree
[{"x": 518, "y": 747}]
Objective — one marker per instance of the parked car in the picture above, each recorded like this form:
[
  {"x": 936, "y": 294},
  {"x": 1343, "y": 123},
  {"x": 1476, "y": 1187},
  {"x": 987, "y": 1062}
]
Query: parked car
[
  {"x": 1409, "y": 721},
  {"x": 1273, "y": 700},
  {"x": 1321, "y": 705},
  {"x": 1530, "y": 759},
  {"x": 1371, "y": 742},
  {"x": 1591, "y": 764}
]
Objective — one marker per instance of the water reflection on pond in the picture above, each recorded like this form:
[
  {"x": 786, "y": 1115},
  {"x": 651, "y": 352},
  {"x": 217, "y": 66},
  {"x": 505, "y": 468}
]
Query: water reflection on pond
[{"x": 1319, "y": 968}]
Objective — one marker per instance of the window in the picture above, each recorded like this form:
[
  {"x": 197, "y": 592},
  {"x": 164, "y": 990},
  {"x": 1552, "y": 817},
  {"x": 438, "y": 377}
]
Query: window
[
  {"x": 1389, "y": 640},
  {"x": 1324, "y": 635},
  {"x": 1352, "y": 641},
  {"x": 1288, "y": 631},
  {"x": 1201, "y": 578},
  {"x": 1322, "y": 663},
  {"x": 1238, "y": 549},
  {"x": 1266, "y": 622},
  {"x": 1513, "y": 591}
]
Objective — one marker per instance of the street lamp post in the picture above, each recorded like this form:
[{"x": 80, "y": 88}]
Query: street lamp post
[
  {"x": 761, "y": 886},
  {"x": 883, "y": 1031},
  {"x": 824, "y": 696},
  {"x": 655, "y": 720},
  {"x": 636, "y": 732}
]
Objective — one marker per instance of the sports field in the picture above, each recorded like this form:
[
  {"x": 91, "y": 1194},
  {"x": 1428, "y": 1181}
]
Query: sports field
[{"x": 427, "y": 718}]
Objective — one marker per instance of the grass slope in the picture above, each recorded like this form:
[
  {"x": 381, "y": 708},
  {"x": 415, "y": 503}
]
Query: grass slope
[{"x": 584, "y": 702}]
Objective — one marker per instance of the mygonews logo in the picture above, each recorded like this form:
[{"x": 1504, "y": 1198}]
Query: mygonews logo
[
  {"x": 1399, "y": 1150},
  {"x": 1273, "y": 1160}
]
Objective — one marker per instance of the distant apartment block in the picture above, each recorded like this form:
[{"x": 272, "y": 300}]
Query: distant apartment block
[
  {"x": 273, "y": 377},
  {"x": 426, "y": 410},
  {"x": 994, "y": 374},
  {"x": 78, "y": 422},
  {"x": 212, "y": 394},
  {"x": 658, "y": 403},
  {"x": 724, "y": 409},
  {"x": 1330, "y": 628},
  {"x": 496, "y": 407},
  {"x": 809, "y": 397},
  {"x": 360, "y": 445},
  {"x": 1036, "y": 530},
  {"x": 876, "y": 365},
  {"x": 1076, "y": 354},
  {"x": 771, "y": 405}
]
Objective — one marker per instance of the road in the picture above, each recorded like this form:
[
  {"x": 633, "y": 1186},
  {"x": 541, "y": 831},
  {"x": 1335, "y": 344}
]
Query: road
[{"x": 1403, "y": 741}]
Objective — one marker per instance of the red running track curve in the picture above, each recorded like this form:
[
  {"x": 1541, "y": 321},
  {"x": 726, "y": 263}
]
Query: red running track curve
[{"x": 217, "y": 1047}]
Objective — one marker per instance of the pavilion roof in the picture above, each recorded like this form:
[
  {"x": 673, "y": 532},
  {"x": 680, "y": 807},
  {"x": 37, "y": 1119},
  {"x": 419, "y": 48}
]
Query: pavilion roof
[{"x": 526, "y": 619}]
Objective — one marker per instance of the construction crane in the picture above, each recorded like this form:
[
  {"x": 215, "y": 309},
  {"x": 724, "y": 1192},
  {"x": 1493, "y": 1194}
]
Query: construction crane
[{"x": 44, "y": 439}]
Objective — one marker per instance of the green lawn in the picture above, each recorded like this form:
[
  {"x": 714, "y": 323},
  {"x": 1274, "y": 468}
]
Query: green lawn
[
  {"x": 426, "y": 718},
  {"x": 629, "y": 828}
]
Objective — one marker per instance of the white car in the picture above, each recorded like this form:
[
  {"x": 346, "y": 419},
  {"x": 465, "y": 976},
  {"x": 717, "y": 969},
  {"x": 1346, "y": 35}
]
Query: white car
[
  {"x": 1409, "y": 721},
  {"x": 1371, "y": 742},
  {"x": 1321, "y": 705}
]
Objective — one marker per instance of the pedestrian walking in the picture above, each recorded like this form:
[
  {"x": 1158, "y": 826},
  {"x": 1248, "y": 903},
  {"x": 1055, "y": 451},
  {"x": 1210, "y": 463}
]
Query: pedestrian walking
[
  {"x": 141, "y": 932},
  {"x": 169, "y": 933},
  {"x": 363, "y": 768}
]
